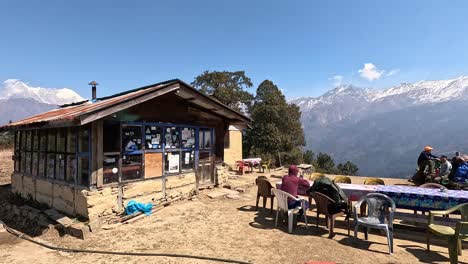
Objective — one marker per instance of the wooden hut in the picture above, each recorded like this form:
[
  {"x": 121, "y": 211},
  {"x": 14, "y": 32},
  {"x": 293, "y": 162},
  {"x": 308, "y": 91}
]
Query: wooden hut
[{"x": 89, "y": 157}]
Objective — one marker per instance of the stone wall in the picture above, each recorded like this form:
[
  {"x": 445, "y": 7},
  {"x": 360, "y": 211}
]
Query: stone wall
[{"x": 92, "y": 204}]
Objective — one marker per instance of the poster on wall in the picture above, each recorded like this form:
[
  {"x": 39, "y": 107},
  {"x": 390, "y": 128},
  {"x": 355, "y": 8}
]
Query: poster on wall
[
  {"x": 173, "y": 163},
  {"x": 153, "y": 137}
]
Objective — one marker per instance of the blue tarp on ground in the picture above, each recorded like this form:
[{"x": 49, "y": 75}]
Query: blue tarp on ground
[{"x": 134, "y": 206}]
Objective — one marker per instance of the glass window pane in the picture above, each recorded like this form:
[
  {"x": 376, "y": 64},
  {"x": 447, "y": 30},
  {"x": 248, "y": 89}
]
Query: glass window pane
[
  {"x": 17, "y": 162},
  {"x": 172, "y": 162},
  {"x": 35, "y": 140},
  {"x": 41, "y": 166},
  {"x": 28, "y": 140},
  {"x": 200, "y": 138},
  {"x": 23, "y": 161},
  {"x": 172, "y": 138},
  {"x": 111, "y": 132},
  {"x": 153, "y": 137},
  {"x": 35, "y": 160},
  {"x": 61, "y": 138},
  {"x": 22, "y": 140},
  {"x": 60, "y": 169},
  {"x": 28, "y": 163},
  {"x": 187, "y": 160},
  {"x": 71, "y": 140},
  {"x": 71, "y": 168},
  {"x": 43, "y": 140},
  {"x": 50, "y": 166},
  {"x": 132, "y": 167},
  {"x": 84, "y": 139},
  {"x": 188, "y": 137},
  {"x": 83, "y": 171},
  {"x": 17, "y": 140},
  {"x": 109, "y": 164},
  {"x": 51, "y": 140},
  {"x": 131, "y": 138},
  {"x": 207, "y": 139}
]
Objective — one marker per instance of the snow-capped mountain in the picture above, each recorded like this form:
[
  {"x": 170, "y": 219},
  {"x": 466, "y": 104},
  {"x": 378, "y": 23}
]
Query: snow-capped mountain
[
  {"x": 418, "y": 93},
  {"x": 15, "y": 95},
  {"x": 13, "y": 88},
  {"x": 383, "y": 130}
]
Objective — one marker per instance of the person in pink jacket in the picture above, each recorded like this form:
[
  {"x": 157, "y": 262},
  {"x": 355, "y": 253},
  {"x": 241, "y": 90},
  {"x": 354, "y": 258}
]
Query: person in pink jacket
[{"x": 290, "y": 184}]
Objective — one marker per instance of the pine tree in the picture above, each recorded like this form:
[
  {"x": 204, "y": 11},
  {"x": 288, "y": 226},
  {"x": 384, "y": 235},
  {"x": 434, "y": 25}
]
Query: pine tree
[
  {"x": 276, "y": 125},
  {"x": 228, "y": 87}
]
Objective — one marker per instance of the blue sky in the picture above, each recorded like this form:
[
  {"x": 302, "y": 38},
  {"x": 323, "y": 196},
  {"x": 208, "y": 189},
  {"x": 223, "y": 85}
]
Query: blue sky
[{"x": 302, "y": 46}]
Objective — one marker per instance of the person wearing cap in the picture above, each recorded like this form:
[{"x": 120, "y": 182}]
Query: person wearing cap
[
  {"x": 425, "y": 159},
  {"x": 290, "y": 184}
]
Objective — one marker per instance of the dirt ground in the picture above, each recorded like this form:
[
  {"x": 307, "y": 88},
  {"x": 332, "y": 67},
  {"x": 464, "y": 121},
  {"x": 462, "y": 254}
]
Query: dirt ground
[{"x": 225, "y": 228}]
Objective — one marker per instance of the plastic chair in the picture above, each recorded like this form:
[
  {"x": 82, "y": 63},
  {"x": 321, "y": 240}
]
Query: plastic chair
[
  {"x": 264, "y": 190},
  {"x": 315, "y": 176},
  {"x": 371, "y": 181},
  {"x": 240, "y": 167},
  {"x": 282, "y": 199},
  {"x": 430, "y": 185},
  {"x": 342, "y": 179},
  {"x": 323, "y": 202},
  {"x": 454, "y": 235},
  {"x": 266, "y": 166},
  {"x": 374, "y": 181},
  {"x": 379, "y": 216}
]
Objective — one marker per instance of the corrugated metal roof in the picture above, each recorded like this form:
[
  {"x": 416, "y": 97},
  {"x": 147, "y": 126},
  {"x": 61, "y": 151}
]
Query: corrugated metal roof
[{"x": 70, "y": 114}]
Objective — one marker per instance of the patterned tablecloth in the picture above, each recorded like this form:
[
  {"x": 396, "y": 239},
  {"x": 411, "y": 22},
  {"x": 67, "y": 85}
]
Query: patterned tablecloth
[{"x": 423, "y": 199}]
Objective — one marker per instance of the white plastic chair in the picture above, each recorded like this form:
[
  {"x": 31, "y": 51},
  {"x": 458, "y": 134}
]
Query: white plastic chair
[{"x": 282, "y": 205}]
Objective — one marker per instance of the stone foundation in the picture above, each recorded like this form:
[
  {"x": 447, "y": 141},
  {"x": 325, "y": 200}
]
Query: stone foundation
[{"x": 92, "y": 204}]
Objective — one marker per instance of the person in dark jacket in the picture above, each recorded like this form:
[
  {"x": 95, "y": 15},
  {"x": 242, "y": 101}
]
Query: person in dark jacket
[{"x": 425, "y": 159}]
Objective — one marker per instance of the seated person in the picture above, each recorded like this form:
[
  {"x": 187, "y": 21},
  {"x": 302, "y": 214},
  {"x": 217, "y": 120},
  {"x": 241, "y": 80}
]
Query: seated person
[
  {"x": 290, "y": 184},
  {"x": 445, "y": 167},
  {"x": 456, "y": 162},
  {"x": 461, "y": 175},
  {"x": 425, "y": 159}
]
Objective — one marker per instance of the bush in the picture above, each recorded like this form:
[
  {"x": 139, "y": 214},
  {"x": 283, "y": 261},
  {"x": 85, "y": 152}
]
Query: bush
[
  {"x": 292, "y": 157},
  {"x": 6, "y": 140}
]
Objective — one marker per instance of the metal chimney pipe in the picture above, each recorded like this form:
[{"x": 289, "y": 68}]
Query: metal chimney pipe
[{"x": 93, "y": 89}]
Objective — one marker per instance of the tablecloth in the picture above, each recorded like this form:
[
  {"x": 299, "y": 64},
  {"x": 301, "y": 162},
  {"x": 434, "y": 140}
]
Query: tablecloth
[{"x": 423, "y": 199}]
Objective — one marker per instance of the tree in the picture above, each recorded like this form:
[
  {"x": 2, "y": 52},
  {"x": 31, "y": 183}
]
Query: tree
[
  {"x": 276, "y": 125},
  {"x": 348, "y": 168},
  {"x": 324, "y": 163},
  {"x": 309, "y": 157},
  {"x": 228, "y": 87}
]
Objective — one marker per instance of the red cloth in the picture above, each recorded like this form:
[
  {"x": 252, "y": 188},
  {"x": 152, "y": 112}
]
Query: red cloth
[{"x": 290, "y": 184}]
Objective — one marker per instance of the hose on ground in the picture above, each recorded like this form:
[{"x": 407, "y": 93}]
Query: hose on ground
[{"x": 91, "y": 251}]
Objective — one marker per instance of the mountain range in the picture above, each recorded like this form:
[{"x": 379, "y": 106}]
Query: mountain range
[
  {"x": 383, "y": 131},
  {"x": 19, "y": 100}
]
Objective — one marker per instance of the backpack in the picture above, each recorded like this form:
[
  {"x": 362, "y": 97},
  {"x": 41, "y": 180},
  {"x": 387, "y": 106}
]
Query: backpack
[
  {"x": 326, "y": 186},
  {"x": 461, "y": 175}
]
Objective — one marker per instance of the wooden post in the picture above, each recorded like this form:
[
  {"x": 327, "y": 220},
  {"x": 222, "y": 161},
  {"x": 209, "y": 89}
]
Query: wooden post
[{"x": 97, "y": 153}]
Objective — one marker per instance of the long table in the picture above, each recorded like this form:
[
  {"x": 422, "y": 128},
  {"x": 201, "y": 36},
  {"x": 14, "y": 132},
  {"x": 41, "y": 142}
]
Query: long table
[{"x": 406, "y": 197}]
